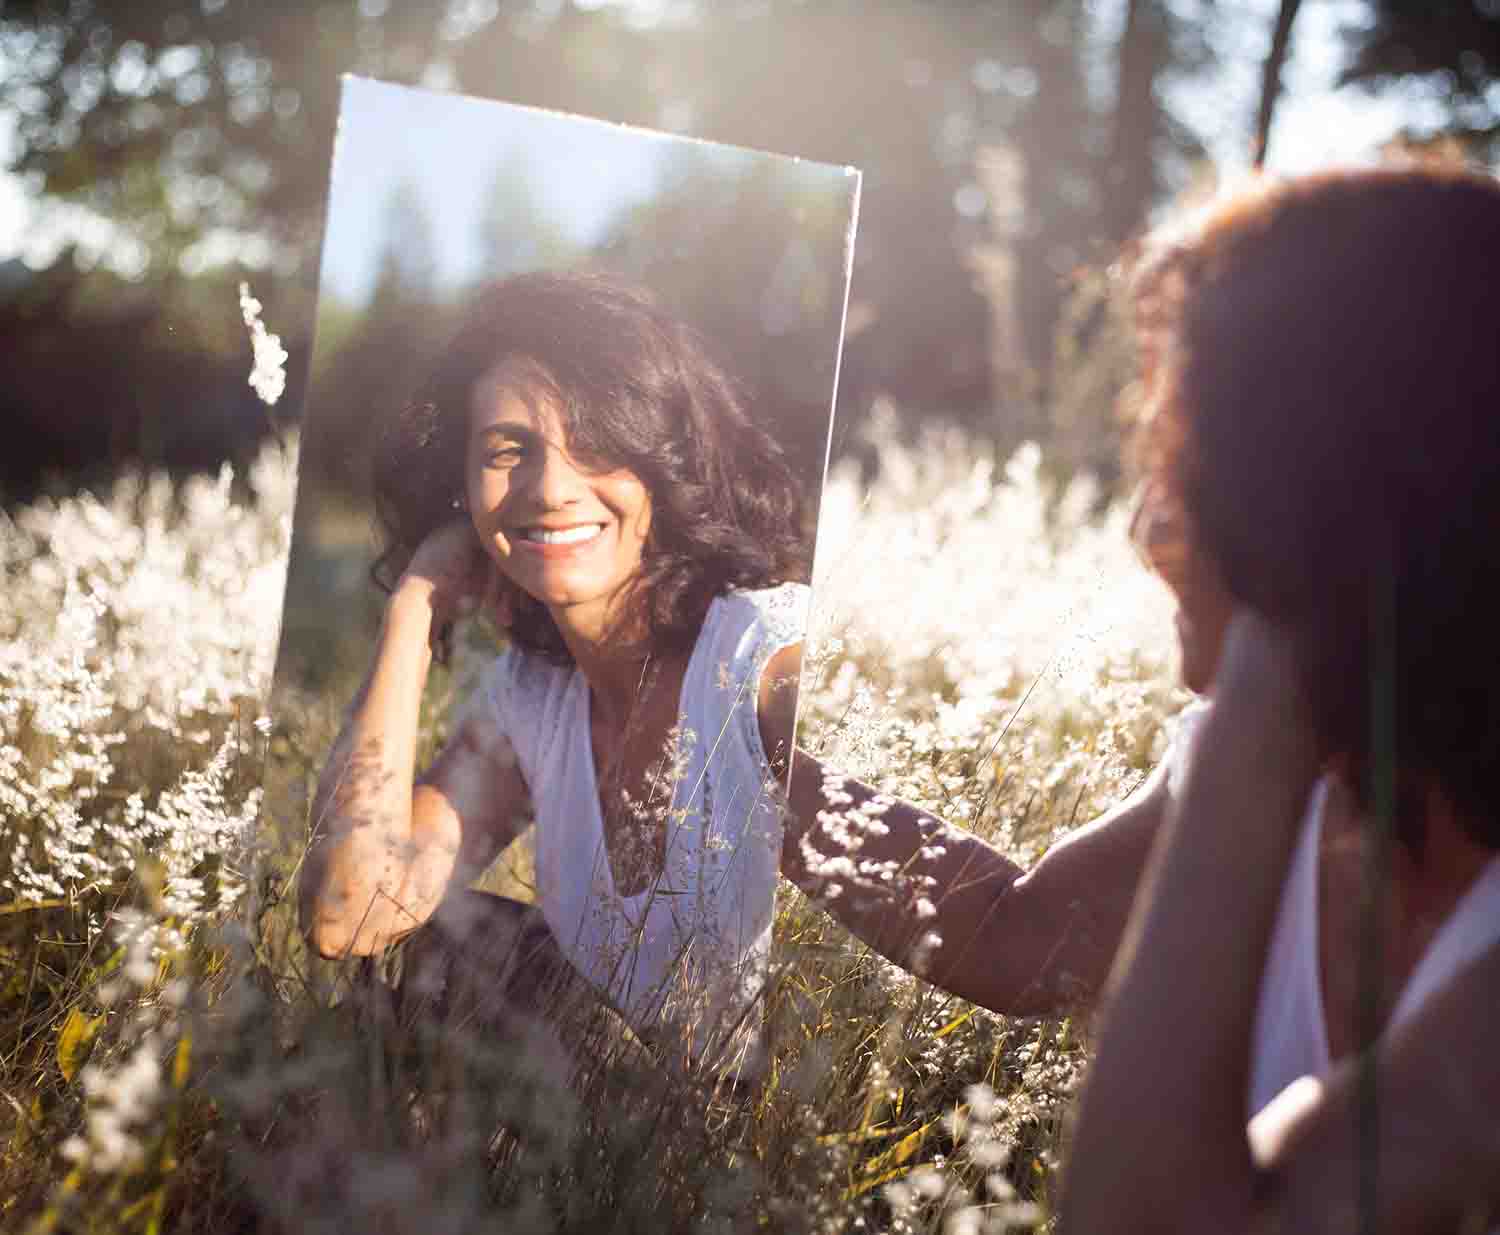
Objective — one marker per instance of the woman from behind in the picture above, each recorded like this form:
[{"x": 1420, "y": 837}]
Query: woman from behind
[{"x": 1317, "y": 946}]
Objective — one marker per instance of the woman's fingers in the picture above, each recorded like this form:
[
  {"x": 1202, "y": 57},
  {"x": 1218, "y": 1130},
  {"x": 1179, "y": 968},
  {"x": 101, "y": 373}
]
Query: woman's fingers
[
  {"x": 1259, "y": 742},
  {"x": 451, "y": 559},
  {"x": 1257, "y": 669}
]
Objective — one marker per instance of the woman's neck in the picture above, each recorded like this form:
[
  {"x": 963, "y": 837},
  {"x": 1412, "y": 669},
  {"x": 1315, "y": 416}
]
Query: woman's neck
[
  {"x": 614, "y": 663},
  {"x": 1432, "y": 877}
]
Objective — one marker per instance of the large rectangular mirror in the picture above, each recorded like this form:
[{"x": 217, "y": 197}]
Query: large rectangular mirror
[{"x": 561, "y": 459}]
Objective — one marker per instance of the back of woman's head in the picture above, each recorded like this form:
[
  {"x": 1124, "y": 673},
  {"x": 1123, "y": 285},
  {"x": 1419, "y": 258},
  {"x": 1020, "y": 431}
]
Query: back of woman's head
[
  {"x": 1323, "y": 372},
  {"x": 635, "y": 389}
]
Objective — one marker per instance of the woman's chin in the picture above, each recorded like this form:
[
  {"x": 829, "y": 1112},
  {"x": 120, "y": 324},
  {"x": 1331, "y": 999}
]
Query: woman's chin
[
  {"x": 561, "y": 594},
  {"x": 1194, "y": 670},
  {"x": 1196, "y": 680},
  {"x": 551, "y": 594}
]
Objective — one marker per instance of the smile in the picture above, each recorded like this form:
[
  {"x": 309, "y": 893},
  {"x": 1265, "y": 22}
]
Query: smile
[{"x": 563, "y": 535}]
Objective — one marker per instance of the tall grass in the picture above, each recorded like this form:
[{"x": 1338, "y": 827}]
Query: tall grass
[{"x": 171, "y": 1060}]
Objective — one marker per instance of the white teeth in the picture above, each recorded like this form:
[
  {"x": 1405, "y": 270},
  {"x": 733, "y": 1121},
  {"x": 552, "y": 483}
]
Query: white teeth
[{"x": 563, "y": 536}]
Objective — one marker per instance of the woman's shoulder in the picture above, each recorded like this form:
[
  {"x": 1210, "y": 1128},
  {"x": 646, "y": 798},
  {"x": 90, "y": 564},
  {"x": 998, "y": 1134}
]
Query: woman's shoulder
[
  {"x": 743, "y": 629},
  {"x": 778, "y": 613}
]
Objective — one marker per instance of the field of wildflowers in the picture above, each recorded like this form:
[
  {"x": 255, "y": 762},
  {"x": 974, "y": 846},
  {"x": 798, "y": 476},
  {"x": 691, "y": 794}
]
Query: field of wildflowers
[{"x": 171, "y": 1060}]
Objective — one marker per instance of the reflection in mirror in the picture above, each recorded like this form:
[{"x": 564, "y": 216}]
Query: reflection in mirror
[{"x": 537, "y": 678}]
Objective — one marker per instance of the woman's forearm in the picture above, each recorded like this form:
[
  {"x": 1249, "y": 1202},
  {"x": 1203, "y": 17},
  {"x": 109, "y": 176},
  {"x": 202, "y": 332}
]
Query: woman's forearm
[
  {"x": 358, "y": 867},
  {"x": 913, "y": 888},
  {"x": 1019, "y": 942},
  {"x": 944, "y": 902}
]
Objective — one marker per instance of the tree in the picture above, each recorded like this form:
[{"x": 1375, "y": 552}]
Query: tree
[
  {"x": 173, "y": 118},
  {"x": 177, "y": 120},
  {"x": 366, "y": 372},
  {"x": 516, "y": 232},
  {"x": 1270, "y": 79},
  {"x": 1458, "y": 40},
  {"x": 1453, "y": 46},
  {"x": 776, "y": 236},
  {"x": 1130, "y": 172}
]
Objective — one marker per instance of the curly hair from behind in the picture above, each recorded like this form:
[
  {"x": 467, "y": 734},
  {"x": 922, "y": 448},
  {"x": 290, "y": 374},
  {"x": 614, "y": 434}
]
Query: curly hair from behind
[
  {"x": 1323, "y": 407},
  {"x": 636, "y": 389}
]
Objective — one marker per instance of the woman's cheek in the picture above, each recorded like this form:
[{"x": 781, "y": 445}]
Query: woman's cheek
[
  {"x": 491, "y": 535},
  {"x": 485, "y": 499}
]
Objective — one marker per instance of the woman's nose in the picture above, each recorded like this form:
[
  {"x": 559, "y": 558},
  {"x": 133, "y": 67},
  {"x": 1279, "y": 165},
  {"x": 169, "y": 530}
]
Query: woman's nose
[{"x": 556, "y": 482}]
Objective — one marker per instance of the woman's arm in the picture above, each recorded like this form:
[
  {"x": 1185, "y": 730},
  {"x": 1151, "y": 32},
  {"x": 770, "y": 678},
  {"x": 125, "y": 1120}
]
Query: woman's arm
[
  {"x": 386, "y": 848},
  {"x": 1020, "y": 942},
  {"x": 1160, "y": 1141}
]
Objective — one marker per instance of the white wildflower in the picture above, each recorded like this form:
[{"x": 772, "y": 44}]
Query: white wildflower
[
  {"x": 268, "y": 374},
  {"x": 148, "y": 616},
  {"x": 120, "y": 1102},
  {"x": 927, "y": 1182},
  {"x": 983, "y": 1105},
  {"x": 964, "y": 1220}
]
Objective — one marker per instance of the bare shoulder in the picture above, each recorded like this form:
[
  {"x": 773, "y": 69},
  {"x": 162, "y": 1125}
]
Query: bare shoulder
[{"x": 777, "y": 701}]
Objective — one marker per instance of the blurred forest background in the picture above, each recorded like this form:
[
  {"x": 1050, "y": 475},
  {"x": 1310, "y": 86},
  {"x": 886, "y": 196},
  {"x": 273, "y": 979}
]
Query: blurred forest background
[{"x": 166, "y": 149}]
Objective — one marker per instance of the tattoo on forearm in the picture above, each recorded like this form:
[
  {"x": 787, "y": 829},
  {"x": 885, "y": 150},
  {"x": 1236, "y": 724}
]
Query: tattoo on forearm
[{"x": 351, "y": 792}]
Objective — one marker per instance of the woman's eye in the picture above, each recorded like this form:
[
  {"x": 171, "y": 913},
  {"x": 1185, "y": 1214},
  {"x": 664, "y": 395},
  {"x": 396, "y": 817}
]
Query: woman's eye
[{"x": 504, "y": 456}]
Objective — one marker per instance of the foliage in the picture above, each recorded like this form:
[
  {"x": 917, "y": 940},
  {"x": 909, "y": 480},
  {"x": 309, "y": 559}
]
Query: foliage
[
  {"x": 160, "y": 1072},
  {"x": 1452, "y": 49},
  {"x": 1456, "y": 39},
  {"x": 135, "y": 643},
  {"x": 202, "y": 134}
]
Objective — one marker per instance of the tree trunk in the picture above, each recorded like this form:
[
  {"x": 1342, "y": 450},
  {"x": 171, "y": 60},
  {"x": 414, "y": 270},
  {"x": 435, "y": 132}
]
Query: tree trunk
[
  {"x": 1270, "y": 77},
  {"x": 1129, "y": 173}
]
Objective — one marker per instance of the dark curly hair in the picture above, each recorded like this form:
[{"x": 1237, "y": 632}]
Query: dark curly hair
[
  {"x": 635, "y": 387},
  {"x": 1322, "y": 373}
]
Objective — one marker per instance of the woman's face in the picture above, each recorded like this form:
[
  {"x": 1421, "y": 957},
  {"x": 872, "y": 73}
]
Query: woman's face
[
  {"x": 1204, "y": 605},
  {"x": 568, "y": 533}
]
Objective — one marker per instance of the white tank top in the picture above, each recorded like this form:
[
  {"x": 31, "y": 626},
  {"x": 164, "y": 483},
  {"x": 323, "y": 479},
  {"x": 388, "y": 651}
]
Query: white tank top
[
  {"x": 1290, "y": 1038},
  {"x": 686, "y": 959}
]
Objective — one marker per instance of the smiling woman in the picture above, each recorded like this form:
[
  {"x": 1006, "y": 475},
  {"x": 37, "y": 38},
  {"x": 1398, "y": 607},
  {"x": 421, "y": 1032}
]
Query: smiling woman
[
  {"x": 579, "y": 466},
  {"x": 568, "y": 534},
  {"x": 565, "y": 399}
]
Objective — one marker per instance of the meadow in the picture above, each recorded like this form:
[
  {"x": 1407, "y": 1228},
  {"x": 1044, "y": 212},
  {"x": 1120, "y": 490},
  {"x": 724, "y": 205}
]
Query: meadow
[{"x": 984, "y": 644}]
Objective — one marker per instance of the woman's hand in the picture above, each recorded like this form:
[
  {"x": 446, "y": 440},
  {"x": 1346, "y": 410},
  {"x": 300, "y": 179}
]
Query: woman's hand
[
  {"x": 1257, "y": 675},
  {"x": 454, "y": 575}
]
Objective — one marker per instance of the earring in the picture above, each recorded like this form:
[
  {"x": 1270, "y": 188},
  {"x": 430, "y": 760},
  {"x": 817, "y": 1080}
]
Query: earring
[{"x": 457, "y": 503}]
